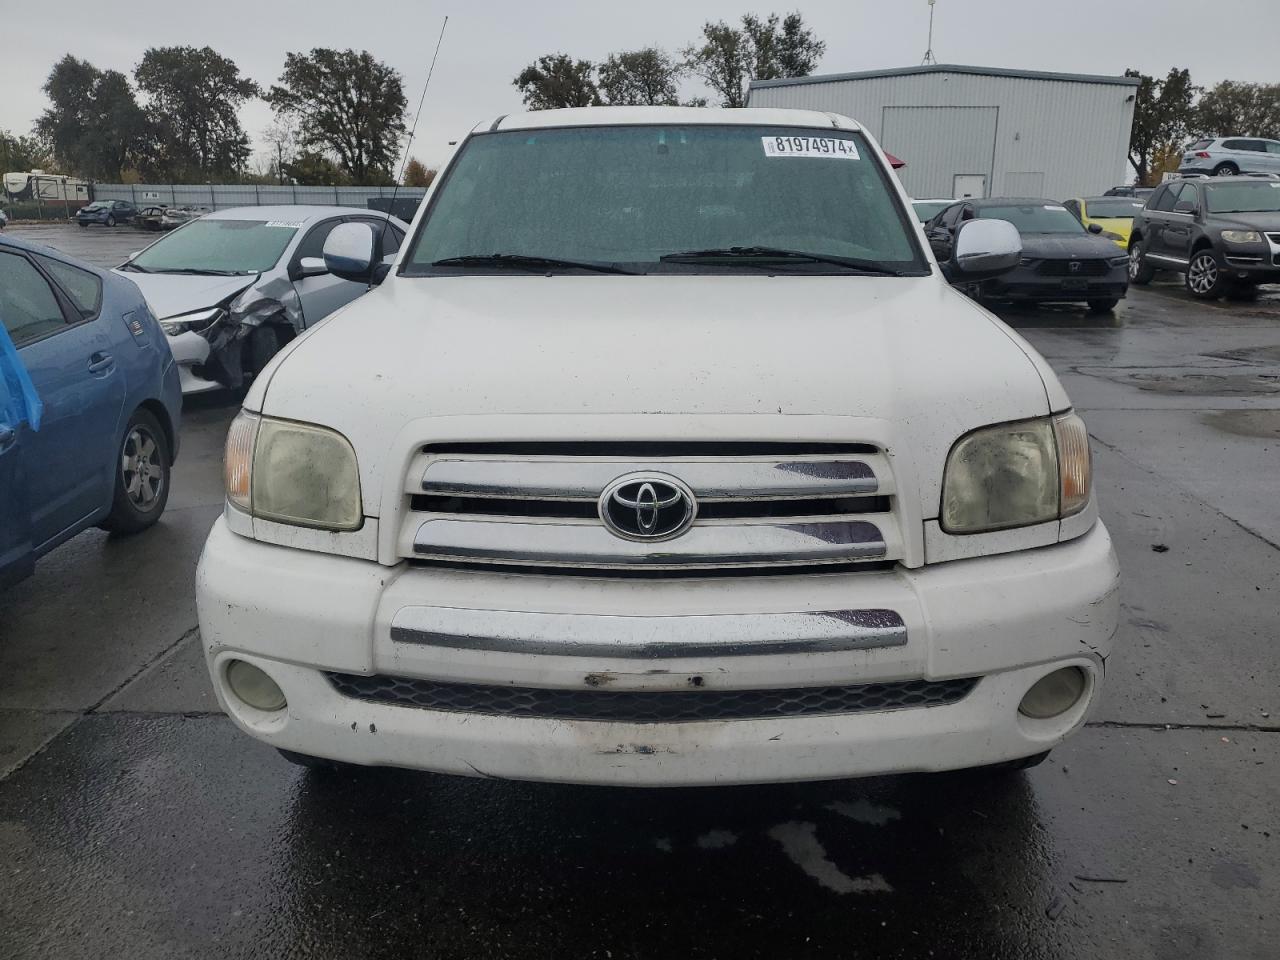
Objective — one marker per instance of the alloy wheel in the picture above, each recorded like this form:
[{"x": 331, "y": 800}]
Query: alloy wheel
[
  {"x": 1202, "y": 274},
  {"x": 141, "y": 468},
  {"x": 1135, "y": 262}
]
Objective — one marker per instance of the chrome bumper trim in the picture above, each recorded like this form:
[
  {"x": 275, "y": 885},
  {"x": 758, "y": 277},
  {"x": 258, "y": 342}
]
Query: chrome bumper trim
[
  {"x": 648, "y": 638},
  {"x": 712, "y": 544}
]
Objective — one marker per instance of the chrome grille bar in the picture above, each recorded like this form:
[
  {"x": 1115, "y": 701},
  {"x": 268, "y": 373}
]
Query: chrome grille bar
[{"x": 713, "y": 544}]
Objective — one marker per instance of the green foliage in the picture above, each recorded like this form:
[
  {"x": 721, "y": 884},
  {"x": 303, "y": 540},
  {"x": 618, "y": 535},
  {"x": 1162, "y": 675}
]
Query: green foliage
[
  {"x": 728, "y": 58},
  {"x": 1163, "y": 114},
  {"x": 346, "y": 104},
  {"x": 646, "y": 77},
  {"x": 312, "y": 169},
  {"x": 93, "y": 127},
  {"x": 1239, "y": 109},
  {"x": 557, "y": 80},
  {"x": 23, "y": 153},
  {"x": 194, "y": 96}
]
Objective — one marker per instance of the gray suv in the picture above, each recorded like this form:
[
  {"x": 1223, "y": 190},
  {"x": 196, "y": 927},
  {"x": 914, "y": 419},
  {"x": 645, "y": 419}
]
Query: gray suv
[{"x": 1228, "y": 156}]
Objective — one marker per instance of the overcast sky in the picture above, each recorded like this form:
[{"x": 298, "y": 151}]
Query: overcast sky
[{"x": 489, "y": 41}]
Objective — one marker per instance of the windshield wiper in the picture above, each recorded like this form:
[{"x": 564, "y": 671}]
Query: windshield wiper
[
  {"x": 747, "y": 254},
  {"x": 134, "y": 267},
  {"x": 522, "y": 261},
  {"x": 202, "y": 272}
]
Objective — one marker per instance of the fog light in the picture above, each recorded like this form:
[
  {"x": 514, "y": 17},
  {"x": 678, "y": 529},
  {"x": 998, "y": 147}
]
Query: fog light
[
  {"x": 254, "y": 687},
  {"x": 1054, "y": 694}
]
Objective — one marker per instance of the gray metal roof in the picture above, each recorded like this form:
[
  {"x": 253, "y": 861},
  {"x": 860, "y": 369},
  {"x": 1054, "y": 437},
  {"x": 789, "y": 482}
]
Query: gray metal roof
[{"x": 947, "y": 68}]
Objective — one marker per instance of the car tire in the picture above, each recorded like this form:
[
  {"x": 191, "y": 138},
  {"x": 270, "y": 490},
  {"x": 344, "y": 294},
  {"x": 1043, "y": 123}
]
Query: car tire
[
  {"x": 111, "y": 220},
  {"x": 82, "y": 225},
  {"x": 1226, "y": 169},
  {"x": 1204, "y": 276},
  {"x": 1140, "y": 272},
  {"x": 1103, "y": 306},
  {"x": 142, "y": 475}
]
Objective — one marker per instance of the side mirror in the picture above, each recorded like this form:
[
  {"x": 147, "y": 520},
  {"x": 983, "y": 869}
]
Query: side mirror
[
  {"x": 310, "y": 267},
  {"x": 1095, "y": 228},
  {"x": 348, "y": 252},
  {"x": 984, "y": 249}
]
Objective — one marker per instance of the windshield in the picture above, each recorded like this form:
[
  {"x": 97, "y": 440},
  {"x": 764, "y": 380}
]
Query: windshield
[
  {"x": 626, "y": 196},
  {"x": 926, "y": 210},
  {"x": 97, "y": 205},
  {"x": 1109, "y": 209},
  {"x": 1034, "y": 218},
  {"x": 1260, "y": 197},
  {"x": 219, "y": 246}
]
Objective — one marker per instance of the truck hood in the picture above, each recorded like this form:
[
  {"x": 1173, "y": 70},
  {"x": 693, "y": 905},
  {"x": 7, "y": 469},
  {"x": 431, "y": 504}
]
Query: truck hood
[
  {"x": 1267, "y": 221},
  {"x": 905, "y": 362},
  {"x": 172, "y": 294}
]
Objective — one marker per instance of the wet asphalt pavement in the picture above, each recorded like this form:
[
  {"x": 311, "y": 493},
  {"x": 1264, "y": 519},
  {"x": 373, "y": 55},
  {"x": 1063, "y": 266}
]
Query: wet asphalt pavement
[{"x": 135, "y": 821}]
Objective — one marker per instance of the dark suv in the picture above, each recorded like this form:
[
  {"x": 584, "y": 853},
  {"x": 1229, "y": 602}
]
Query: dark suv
[{"x": 1222, "y": 233}]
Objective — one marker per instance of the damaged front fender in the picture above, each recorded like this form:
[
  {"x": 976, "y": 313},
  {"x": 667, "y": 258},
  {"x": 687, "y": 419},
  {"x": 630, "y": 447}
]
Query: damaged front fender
[{"x": 236, "y": 347}]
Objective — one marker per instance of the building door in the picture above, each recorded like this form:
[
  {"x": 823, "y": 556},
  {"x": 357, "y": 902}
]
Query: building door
[{"x": 966, "y": 186}]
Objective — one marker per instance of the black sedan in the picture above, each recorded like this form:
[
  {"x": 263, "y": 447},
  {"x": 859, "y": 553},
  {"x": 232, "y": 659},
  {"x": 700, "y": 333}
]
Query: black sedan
[
  {"x": 1062, "y": 261},
  {"x": 106, "y": 212}
]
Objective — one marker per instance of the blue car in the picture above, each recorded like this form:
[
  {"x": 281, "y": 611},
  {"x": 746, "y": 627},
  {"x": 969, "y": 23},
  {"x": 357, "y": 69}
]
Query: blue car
[
  {"x": 106, "y": 212},
  {"x": 90, "y": 405}
]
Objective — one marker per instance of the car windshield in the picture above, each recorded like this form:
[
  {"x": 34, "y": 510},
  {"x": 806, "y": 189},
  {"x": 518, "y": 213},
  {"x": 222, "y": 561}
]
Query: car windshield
[
  {"x": 926, "y": 210},
  {"x": 713, "y": 198},
  {"x": 219, "y": 246},
  {"x": 1260, "y": 197},
  {"x": 1034, "y": 217},
  {"x": 1109, "y": 209},
  {"x": 97, "y": 205}
]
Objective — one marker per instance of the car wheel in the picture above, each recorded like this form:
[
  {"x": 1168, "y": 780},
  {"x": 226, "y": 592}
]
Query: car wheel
[
  {"x": 1204, "y": 276},
  {"x": 1226, "y": 169},
  {"x": 111, "y": 220},
  {"x": 1103, "y": 306},
  {"x": 1140, "y": 272},
  {"x": 142, "y": 476},
  {"x": 82, "y": 225}
]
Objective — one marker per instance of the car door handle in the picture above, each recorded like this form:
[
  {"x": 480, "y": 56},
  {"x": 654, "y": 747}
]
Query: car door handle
[{"x": 101, "y": 361}]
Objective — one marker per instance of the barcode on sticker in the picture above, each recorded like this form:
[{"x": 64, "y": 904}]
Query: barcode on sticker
[
  {"x": 289, "y": 224},
  {"x": 828, "y": 148}
]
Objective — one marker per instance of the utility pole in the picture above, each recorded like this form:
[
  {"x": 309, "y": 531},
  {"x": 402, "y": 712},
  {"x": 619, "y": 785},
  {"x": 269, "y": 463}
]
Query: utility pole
[{"x": 928, "y": 54}]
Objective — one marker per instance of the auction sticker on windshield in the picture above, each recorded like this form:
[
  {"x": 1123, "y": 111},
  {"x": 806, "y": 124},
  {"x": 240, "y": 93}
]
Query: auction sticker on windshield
[{"x": 829, "y": 148}]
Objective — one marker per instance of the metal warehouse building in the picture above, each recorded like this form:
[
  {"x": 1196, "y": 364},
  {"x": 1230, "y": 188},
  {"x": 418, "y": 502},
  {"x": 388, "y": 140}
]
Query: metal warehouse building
[{"x": 979, "y": 131}]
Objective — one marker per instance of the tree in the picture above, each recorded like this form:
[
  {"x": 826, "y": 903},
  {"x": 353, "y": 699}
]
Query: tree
[
  {"x": 346, "y": 103},
  {"x": 416, "y": 174},
  {"x": 312, "y": 169},
  {"x": 194, "y": 97},
  {"x": 1239, "y": 109},
  {"x": 646, "y": 77},
  {"x": 728, "y": 58},
  {"x": 1163, "y": 113},
  {"x": 557, "y": 80},
  {"x": 22, "y": 153},
  {"x": 93, "y": 126},
  {"x": 281, "y": 139}
]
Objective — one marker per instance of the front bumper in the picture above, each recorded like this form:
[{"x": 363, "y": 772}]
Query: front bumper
[
  {"x": 191, "y": 351},
  {"x": 1025, "y": 284},
  {"x": 1008, "y": 620}
]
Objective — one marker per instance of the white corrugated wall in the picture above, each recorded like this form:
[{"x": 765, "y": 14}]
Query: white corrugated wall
[{"x": 1075, "y": 134}]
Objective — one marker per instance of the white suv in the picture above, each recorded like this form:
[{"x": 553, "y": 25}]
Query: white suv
[{"x": 665, "y": 454}]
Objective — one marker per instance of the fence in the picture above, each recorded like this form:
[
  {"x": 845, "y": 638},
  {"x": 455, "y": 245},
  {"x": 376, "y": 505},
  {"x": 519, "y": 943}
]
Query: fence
[{"x": 220, "y": 196}]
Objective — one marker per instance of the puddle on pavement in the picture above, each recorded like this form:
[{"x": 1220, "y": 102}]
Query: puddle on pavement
[
  {"x": 1245, "y": 423},
  {"x": 1248, "y": 354},
  {"x": 1207, "y": 384}
]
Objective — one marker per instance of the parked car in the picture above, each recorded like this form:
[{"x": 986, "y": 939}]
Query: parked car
[
  {"x": 106, "y": 212},
  {"x": 1130, "y": 191},
  {"x": 4, "y": 219},
  {"x": 926, "y": 210},
  {"x": 1062, "y": 260},
  {"x": 1229, "y": 156},
  {"x": 89, "y": 405},
  {"x": 233, "y": 287},
  {"x": 1222, "y": 234},
  {"x": 1114, "y": 215},
  {"x": 697, "y": 475},
  {"x": 150, "y": 217},
  {"x": 174, "y": 217}
]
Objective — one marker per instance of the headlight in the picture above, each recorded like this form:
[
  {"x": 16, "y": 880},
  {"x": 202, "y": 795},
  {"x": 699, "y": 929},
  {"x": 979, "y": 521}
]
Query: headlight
[
  {"x": 295, "y": 473},
  {"x": 1241, "y": 236},
  {"x": 197, "y": 321},
  {"x": 1016, "y": 475}
]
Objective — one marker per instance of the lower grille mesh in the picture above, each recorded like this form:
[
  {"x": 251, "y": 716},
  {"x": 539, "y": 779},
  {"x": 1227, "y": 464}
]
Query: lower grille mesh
[{"x": 650, "y": 706}]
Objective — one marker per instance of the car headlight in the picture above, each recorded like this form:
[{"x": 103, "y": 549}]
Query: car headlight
[
  {"x": 1016, "y": 475},
  {"x": 195, "y": 321},
  {"x": 295, "y": 473},
  {"x": 1241, "y": 236}
]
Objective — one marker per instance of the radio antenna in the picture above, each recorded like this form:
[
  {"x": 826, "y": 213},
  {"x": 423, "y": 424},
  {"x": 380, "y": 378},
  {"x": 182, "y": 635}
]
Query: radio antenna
[
  {"x": 414, "y": 129},
  {"x": 928, "y": 53}
]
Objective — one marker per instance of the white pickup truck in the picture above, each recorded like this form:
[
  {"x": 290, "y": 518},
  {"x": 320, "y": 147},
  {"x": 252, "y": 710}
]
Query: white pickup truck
[{"x": 665, "y": 454}]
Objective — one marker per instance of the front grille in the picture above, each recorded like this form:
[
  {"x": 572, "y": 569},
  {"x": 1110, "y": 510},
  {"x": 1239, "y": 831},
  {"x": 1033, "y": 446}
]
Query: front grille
[
  {"x": 621, "y": 706},
  {"x": 1274, "y": 237},
  {"x": 1062, "y": 268}
]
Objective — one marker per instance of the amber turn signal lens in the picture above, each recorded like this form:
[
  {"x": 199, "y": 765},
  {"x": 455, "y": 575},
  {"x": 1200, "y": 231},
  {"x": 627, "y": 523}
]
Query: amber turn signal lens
[
  {"x": 1074, "y": 467},
  {"x": 238, "y": 463}
]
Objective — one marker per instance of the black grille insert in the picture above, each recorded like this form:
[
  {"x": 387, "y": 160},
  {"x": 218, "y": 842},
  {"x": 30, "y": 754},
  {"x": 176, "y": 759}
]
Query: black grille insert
[
  {"x": 623, "y": 706},
  {"x": 1083, "y": 268}
]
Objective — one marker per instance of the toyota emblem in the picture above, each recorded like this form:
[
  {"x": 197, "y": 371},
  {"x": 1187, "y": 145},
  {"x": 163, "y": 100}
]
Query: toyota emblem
[{"x": 647, "y": 506}]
